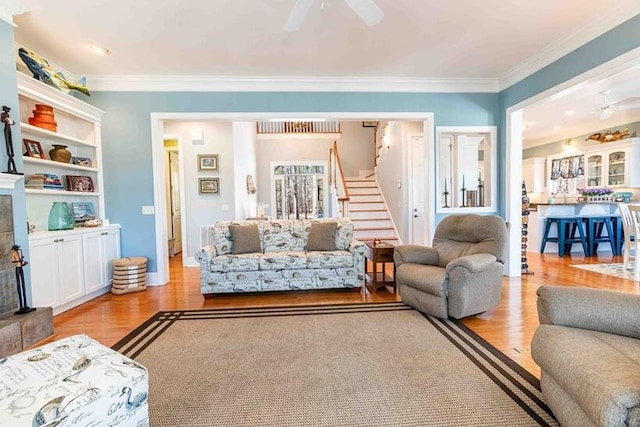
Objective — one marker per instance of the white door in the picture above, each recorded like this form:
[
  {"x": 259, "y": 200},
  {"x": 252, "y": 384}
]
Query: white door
[
  {"x": 110, "y": 250},
  {"x": 418, "y": 178},
  {"x": 43, "y": 262},
  {"x": 71, "y": 268},
  {"x": 176, "y": 214},
  {"x": 93, "y": 265}
]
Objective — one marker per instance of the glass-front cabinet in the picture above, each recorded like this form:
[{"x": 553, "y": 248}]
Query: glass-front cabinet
[
  {"x": 617, "y": 168},
  {"x": 594, "y": 170},
  {"x": 609, "y": 165}
]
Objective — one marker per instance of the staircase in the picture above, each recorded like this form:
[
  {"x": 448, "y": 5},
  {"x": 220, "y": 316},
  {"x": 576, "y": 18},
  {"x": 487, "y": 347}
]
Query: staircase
[{"x": 368, "y": 211}]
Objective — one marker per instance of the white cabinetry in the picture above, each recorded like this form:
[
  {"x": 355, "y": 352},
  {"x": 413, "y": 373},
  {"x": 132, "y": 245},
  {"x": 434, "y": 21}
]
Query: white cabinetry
[
  {"x": 56, "y": 278},
  {"x": 72, "y": 267},
  {"x": 100, "y": 249},
  {"x": 78, "y": 128},
  {"x": 613, "y": 164},
  {"x": 533, "y": 174}
]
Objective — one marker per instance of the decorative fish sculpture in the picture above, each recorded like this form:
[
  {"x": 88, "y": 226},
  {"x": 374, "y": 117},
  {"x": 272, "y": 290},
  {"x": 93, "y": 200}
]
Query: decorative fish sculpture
[{"x": 42, "y": 71}]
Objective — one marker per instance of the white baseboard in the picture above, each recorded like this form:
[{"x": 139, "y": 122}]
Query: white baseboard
[
  {"x": 153, "y": 279},
  {"x": 191, "y": 262}
]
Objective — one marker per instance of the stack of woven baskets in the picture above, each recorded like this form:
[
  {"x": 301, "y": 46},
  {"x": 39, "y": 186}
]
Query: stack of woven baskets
[{"x": 129, "y": 275}]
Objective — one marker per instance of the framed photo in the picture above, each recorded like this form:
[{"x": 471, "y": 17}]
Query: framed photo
[
  {"x": 83, "y": 212},
  {"x": 79, "y": 183},
  {"x": 34, "y": 149},
  {"x": 82, "y": 161},
  {"x": 209, "y": 185},
  {"x": 207, "y": 162},
  {"x": 370, "y": 124}
]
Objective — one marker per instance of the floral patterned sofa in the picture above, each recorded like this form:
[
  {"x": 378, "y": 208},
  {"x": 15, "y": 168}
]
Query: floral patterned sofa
[{"x": 283, "y": 264}]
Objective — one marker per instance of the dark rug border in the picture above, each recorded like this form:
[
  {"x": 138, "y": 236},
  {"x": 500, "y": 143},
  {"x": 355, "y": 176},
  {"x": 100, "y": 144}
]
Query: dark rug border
[
  {"x": 160, "y": 315},
  {"x": 500, "y": 355}
]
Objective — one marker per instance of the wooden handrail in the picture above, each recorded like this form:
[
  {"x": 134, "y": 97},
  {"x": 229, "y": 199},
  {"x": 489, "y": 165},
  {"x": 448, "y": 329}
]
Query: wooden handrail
[{"x": 339, "y": 163}]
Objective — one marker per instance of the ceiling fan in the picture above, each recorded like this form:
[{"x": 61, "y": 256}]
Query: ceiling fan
[
  {"x": 367, "y": 10},
  {"x": 606, "y": 109}
]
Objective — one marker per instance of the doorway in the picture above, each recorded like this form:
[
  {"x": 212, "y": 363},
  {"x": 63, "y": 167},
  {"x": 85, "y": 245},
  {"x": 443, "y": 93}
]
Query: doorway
[
  {"x": 161, "y": 277},
  {"x": 174, "y": 196}
]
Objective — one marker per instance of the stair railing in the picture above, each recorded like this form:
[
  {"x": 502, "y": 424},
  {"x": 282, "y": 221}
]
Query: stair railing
[{"x": 337, "y": 184}]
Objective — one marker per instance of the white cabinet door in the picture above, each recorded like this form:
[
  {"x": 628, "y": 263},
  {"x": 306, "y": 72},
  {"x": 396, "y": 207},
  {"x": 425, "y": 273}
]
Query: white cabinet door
[
  {"x": 617, "y": 171},
  {"x": 93, "y": 265},
  {"x": 110, "y": 242},
  {"x": 43, "y": 264},
  {"x": 70, "y": 268},
  {"x": 533, "y": 174},
  {"x": 100, "y": 249}
]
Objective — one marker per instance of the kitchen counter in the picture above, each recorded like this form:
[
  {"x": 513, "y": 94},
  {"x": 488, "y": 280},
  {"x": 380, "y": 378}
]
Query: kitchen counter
[{"x": 538, "y": 217}]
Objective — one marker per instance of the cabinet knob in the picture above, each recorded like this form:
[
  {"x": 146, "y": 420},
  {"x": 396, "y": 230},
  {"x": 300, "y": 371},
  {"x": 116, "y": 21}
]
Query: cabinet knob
[
  {"x": 104, "y": 233},
  {"x": 61, "y": 239},
  {"x": 55, "y": 240}
]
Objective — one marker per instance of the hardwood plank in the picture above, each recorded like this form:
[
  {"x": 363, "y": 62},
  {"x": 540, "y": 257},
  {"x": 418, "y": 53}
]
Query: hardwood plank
[{"x": 508, "y": 327}]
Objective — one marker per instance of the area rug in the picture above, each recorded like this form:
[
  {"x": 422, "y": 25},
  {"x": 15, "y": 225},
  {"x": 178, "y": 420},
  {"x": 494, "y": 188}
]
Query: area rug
[
  {"x": 615, "y": 269},
  {"x": 381, "y": 364}
]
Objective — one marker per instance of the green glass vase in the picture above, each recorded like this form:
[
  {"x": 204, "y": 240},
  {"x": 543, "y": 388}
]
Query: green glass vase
[{"x": 60, "y": 217}]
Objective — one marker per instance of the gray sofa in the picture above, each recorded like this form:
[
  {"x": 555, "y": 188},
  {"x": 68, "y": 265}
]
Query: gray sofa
[
  {"x": 283, "y": 261},
  {"x": 461, "y": 274},
  {"x": 588, "y": 350}
]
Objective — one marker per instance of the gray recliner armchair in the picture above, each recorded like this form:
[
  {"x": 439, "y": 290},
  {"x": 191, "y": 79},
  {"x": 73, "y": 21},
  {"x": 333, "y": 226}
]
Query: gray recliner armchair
[
  {"x": 588, "y": 350},
  {"x": 461, "y": 274}
]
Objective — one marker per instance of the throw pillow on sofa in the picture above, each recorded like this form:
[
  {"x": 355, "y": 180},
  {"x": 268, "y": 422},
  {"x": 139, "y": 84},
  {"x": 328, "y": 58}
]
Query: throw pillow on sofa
[
  {"x": 322, "y": 236},
  {"x": 245, "y": 239}
]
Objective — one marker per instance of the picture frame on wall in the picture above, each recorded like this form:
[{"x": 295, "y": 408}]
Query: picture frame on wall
[
  {"x": 80, "y": 183},
  {"x": 34, "y": 149},
  {"x": 208, "y": 162},
  {"x": 209, "y": 185}
]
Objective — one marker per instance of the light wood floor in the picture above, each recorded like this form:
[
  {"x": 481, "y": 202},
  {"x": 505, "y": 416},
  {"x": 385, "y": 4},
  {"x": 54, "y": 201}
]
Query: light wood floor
[{"x": 508, "y": 327}]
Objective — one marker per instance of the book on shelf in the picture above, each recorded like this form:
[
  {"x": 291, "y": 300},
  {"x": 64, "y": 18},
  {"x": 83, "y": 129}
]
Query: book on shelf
[{"x": 44, "y": 181}]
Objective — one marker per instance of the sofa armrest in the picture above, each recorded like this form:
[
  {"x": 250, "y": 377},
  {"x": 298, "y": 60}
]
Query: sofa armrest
[
  {"x": 205, "y": 255},
  {"x": 474, "y": 263},
  {"x": 415, "y": 254},
  {"x": 593, "y": 309},
  {"x": 356, "y": 246}
]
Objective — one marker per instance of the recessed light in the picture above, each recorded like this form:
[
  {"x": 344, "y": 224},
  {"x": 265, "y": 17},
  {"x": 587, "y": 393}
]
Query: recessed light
[
  {"x": 556, "y": 127},
  {"x": 98, "y": 50},
  {"x": 569, "y": 113}
]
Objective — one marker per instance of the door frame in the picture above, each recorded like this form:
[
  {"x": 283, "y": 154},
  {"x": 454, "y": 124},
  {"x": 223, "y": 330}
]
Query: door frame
[
  {"x": 514, "y": 129},
  {"x": 161, "y": 277}
]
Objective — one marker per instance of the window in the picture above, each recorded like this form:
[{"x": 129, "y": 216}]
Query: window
[{"x": 299, "y": 190}]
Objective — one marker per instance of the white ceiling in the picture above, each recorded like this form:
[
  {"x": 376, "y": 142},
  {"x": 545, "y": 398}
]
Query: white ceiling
[{"x": 430, "y": 39}]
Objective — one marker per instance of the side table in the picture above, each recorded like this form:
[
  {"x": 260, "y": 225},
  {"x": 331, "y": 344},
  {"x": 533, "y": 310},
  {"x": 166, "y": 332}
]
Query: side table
[{"x": 379, "y": 254}]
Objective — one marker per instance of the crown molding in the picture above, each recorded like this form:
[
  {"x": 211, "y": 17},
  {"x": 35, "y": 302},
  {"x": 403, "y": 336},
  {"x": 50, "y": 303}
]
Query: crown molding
[
  {"x": 569, "y": 43},
  {"x": 288, "y": 84},
  {"x": 10, "y": 8}
]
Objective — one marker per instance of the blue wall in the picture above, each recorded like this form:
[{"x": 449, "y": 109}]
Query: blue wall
[
  {"x": 9, "y": 97},
  {"x": 126, "y": 136}
]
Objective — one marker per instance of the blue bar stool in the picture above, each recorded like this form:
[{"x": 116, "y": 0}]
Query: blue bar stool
[
  {"x": 566, "y": 227},
  {"x": 595, "y": 225},
  {"x": 618, "y": 233}
]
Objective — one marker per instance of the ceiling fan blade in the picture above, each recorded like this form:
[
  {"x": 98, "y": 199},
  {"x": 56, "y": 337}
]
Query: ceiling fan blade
[
  {"x": 623, "y": 103},
  {"x": 297, "y": 15},
  {"x": 367, "y": 10},
  {"x": 626, "y": 106}
]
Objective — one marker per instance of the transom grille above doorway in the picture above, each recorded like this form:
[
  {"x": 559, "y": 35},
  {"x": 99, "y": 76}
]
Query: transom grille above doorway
[{"x": 298, "y": 127}]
